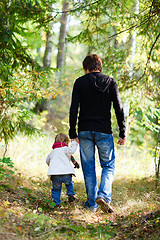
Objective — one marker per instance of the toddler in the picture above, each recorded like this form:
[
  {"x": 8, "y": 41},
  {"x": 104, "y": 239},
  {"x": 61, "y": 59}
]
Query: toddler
[{"x": 60, "y": 167}]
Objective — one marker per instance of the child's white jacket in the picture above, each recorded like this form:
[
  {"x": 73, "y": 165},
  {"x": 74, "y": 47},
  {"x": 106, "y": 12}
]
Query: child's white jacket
[{"x": 59, "y": 160}]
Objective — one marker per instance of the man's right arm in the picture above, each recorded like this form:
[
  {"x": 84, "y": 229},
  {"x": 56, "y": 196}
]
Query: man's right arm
[{"x": 74, "y": 111}]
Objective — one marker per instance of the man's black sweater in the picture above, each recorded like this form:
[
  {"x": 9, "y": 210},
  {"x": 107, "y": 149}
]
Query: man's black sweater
[{"x": 92, "y": 96}]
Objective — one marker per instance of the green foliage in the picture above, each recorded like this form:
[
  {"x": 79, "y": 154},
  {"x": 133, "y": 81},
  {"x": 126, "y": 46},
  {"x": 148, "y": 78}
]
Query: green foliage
[
  {"x": 22, "y": 80},
  {"x": 107, "y": 28},
  {"x": 102, "y": 27},
  {"x": 6, "y": 162}
]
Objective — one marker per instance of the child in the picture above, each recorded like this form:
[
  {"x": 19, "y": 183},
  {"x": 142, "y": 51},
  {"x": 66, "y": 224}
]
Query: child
[{"x": 60, "y": 168}]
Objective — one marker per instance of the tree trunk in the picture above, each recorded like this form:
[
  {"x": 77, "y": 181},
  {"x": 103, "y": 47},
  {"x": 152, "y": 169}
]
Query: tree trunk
[
  {"x": 157, "y": 159},
  {"x": 43, "y": 105},
  {"x": 90, "y": 50},
  {"x": 49, "y": 46},
  {"x": 62, "y": 36}
]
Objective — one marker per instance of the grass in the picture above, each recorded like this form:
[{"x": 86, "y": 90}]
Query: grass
[{"x": 25, "y": 211}]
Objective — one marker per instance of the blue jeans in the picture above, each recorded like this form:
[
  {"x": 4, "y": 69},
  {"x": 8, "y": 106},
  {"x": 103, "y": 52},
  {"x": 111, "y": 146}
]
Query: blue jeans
[
  {"x": 57, "y": 181},
  {"x": 105, "y": 145}
]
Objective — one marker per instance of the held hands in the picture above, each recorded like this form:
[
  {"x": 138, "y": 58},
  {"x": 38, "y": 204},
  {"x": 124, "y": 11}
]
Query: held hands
[
  {"x": 75, "y": 139},
  {"x": 121, "y": 141},
  {"x": 76, "y": 165}
]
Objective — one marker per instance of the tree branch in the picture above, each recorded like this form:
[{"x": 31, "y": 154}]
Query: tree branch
[
  {"x": 133, "y": 26},
  {"x": 149, "y": 56},
  {"x": 5, "y": 151},
  {"x": 75, "y": 9}
]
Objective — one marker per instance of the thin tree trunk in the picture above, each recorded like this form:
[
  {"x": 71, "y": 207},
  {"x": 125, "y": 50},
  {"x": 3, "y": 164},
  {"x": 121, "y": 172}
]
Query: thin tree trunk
[
  {"x": 133, "y": 52},
  {"x": 90, "y": 50},
  {"x": 49, "y": 46},
  {"x": 62, "y": 36},
  {"x": 157, "y": 159},
  {"x": 40, "y": 107},
  {"x": 4, "y": 154}
]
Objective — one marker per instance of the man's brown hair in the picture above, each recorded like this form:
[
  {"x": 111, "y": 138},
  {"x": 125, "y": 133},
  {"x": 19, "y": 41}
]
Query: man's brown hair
[
  {"x": 92, "y": 63},
  {"x": 61, "y": 138}
]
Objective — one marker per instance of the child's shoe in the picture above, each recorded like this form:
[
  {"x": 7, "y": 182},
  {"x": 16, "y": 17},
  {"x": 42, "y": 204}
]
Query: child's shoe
[
  {"x": 71, "y": 198},
  {"x": 56, "y": 207}
]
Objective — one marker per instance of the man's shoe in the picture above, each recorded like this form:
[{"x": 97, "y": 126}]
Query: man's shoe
[
  {"x": 71, "y": 198},
  {"x": 104, "y": 205},
  {"x": 91, "y": 209}
]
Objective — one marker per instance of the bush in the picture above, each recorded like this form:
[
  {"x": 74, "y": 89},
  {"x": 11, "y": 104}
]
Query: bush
[{"x": 5, "y": 163}]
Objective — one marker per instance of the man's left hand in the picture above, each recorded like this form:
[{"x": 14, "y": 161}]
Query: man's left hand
[
  {"x": 75, "y": 139},
  {"x": 121, "y": 141}
]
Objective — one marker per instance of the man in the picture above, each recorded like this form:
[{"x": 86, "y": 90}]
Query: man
[{"x": 92, "y": 96}]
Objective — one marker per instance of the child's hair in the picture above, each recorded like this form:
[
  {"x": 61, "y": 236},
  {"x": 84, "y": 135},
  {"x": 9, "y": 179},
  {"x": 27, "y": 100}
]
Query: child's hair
[{"x": 61, "y": 138}]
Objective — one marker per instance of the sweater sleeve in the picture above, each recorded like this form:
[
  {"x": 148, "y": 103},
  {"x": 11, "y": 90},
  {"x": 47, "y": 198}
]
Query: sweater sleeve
[
  {"x": 74, "y": 111},
  {"x": 71, "y": 150},
  {"x": 117, "y": 104}
]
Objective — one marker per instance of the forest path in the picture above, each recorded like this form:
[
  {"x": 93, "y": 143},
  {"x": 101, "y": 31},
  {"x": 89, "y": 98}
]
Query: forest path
[{"x": 26, "y": 211}]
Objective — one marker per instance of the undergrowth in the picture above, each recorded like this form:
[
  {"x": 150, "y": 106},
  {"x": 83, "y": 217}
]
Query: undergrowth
[
  {"x": 26, "y": 208},
  {"x": 26, "y": 212}
]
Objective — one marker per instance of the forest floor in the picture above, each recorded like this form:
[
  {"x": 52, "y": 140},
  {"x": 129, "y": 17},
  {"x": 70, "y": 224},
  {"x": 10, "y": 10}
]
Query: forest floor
[
  {"x": 26, "y": 212},
  {"x": 26, "y": 206}
]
